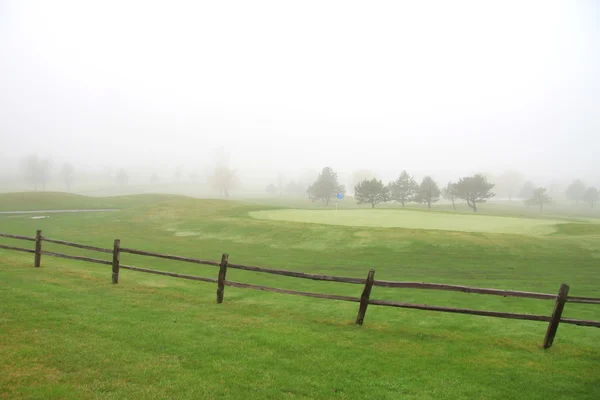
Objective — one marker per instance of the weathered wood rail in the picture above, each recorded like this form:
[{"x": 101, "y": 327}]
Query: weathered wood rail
[{"x": 365, "y": 300}]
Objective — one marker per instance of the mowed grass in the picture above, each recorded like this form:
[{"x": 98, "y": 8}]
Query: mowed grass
[
  {"x": 411, "y": 219},
  {"x": 68, "y": 333}
]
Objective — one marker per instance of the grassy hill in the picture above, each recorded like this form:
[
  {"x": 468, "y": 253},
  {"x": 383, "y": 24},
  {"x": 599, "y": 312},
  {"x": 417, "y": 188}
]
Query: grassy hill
[{"x": 68, "y": 333}]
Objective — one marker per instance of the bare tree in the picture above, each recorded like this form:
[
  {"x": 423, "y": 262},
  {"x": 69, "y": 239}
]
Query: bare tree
[
  {"x": 36, "y": 171},
  {"x": 67, "y": 172},
  {"x": 222, "y": 177}
]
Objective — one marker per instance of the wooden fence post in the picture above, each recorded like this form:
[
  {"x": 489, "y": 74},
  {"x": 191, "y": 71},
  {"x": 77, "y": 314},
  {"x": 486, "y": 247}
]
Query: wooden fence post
[
  {"x": 222, "y": 275},
  {"x": 38, "y": 248},
  {"x": 116, "y": 260},
  {"x": 561, "y": 299},
  {"x": 364, "y": 298}
]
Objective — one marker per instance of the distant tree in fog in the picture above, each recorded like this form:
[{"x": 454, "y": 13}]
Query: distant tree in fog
[
  {"x": 272, "y": 190},
  {"x": 67, "y": 173},
  {"x": 36, "y": 171},
  {"x": 591, "y": 196},
  {"x": 325, "y": 187},
  {"x": 404, "y": 189},
  {"x": 178, "y": 173},
  {"x": 474, "y": 189},
  {"x": 449, "y": 193},
  {"x": 508, "y": 184},
  {"x": 194, "y": 176},
  {"x": 280, "y": 184},
  {"x": 527, "y": 190},
  {"x": 371, "y": 192},
  {"x": 428, "y": 192},
  {"x": 295, "y": 189},
  {"x": 539, "y": 198},
  {"x": 122, "y": 178},
  {"x": 154, "y": 179},
  {"x": 223, "y": 179},
  {"x": 575, "y": 191}
]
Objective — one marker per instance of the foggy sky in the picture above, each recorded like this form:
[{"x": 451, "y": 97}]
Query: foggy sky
[{"x": 434, "y": 87}]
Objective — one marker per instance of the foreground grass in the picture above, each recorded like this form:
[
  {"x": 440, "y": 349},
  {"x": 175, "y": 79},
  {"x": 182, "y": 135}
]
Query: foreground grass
[
  {"x": 77, "y": 336},
  {"x": 68, "y": 333}
]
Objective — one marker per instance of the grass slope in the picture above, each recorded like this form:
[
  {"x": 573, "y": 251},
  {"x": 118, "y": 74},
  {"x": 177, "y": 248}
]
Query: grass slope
[
  {"x": 68, "y": 333},
  {"x": 28, "y": 201}
]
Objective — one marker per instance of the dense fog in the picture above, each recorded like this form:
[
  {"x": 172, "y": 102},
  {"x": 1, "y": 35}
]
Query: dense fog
[{"x": 164, "y": 97}]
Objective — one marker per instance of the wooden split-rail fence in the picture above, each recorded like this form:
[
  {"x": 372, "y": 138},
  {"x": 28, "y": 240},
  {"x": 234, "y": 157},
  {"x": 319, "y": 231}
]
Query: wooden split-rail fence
[{"x": 364, "y": 300}]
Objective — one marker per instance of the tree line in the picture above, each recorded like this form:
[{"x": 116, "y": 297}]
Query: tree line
[
  {"x": 368, "y": 189},
  {"x": 474, "y": 189},
  {"x": 405, "y": 189}
]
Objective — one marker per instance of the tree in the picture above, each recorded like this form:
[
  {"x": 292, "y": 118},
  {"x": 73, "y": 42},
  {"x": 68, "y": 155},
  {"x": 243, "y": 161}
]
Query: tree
[
  {"x": 271, "y": 189},
  {"x": 575, "y": 191},
  {"x": 508, "y": 184},
  {"x": 371, "y": 191},
  {"x": 224, "y": 179},
  {"x": 67, "y": 171},
  {"x": 178, "y": 173},
  {"x": 154, "y": 179},
  {"x": 428, "y": 192},
  {"x": 325, "y": 187},
  {"x": 280, "y": 181},
  {"x": 539, "y": 198},
  {"x": 449, "y": 193},
  {"x": 591, "y": 196},
  {"x": 194, "y": 176},
  {"x": 527, "y": 190},
  {"x": 294, "y": 188},
  {"x": 36, "y": 170},
  {"x": 474, "y": 189},
  {"x": 403, "y": 189},
  {"x": 122, "y": 178}
]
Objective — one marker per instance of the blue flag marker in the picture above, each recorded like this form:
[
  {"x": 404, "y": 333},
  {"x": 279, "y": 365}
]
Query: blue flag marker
[{"x": 339, "y": 196}]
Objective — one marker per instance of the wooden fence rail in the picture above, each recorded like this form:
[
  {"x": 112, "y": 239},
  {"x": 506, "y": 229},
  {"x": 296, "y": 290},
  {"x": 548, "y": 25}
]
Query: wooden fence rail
[
  {"x": 365, "y": 300},
  {"x": 464, "y": 289}
]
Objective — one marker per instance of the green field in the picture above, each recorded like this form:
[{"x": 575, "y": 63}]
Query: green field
[
  {"x": 67, "y": 332},
  {"x": 411, "y": 219}
]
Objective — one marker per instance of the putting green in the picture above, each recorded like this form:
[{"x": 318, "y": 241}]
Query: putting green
[{"x": 414, "y": 220}]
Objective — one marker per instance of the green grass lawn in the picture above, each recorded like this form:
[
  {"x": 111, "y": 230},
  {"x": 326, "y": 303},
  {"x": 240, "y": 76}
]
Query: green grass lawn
[
  {"x": 68, "y": 333},
  {"x": 412, "y": 219}
]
